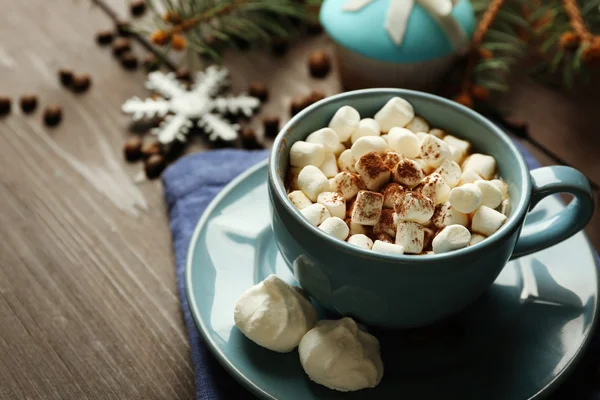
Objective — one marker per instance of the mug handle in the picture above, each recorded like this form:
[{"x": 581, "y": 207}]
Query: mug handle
[{"x": 547, "y": 181}]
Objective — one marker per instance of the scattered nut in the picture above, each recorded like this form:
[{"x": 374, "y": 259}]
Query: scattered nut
[
  {"x": 137, "y": 8},
  {"x": 129, "y": 60},
  {"x": 154, "y": 166},
  {"x": 120, "y": 46},
  {"x": 28, "y": 103},
  {"x": 150, "y": 63},
  {"x": 249, "y": 140},
  {"x": 298, "y": 104},
  {"x": 133, "y": 149},
  {"x": 271, "y": 126},
  {"x": 151, "y": 148},
  {"x": 104, "y": 37},
  {"x": 81, "y": 83},
  {"x": 52, "y": 115},
  {"x": 319, "y": 64},
  {"x": 259, "y": 90},
  {"x": 314, "y": 96},
  {"x": 183, "y": 74},
  {"x": 123, "y": 28},
  {"x": 65, "y": 76}
]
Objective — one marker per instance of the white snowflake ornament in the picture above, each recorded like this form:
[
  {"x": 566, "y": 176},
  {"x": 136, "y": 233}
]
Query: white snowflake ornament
[{"x": 182, "y": 108}]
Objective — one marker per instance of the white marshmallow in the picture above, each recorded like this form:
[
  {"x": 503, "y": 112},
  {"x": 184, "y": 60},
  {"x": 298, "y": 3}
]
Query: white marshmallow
[
  {"x": 335, "y": 227},
  {"x": 361, "y": 241},
  {"x": 482, "y": 164},
  {"x": 411, "y": 236},
  {"x": 391, "y": 158},
  {"x": 438, "y": 133},
  {"x": 500, "y": 184},
  {"x": 487, "y": 221},
  {"x": 466, "y": 198},
  {"x": 387, "y": 248},
  {"x": 326, "y": 137},
  {"x": 344, "y": 122},
  {"x": 450, "y": 238},
  {"x": 476, "y": 238},
  {"x": 312, "y": 181},
  {"x": 396, "y": 112},
  {"x": 346, "y": 161},
  {"x": 334, "y": 203},
  {"x": 315, "y": 213},
  {"x": 291, "y": 178},
  {"x": 408, "y": 173},
  {"x": 340, "y": 356},
  {"x": 434, "y": 187},
  {"x": 347, "y": 184},
  {"x": 427, "y": 169},
  {"x": 355, "y": 229},
  {"x": 329, "y": 165},
  {"x": 367, "y": 144},
  {"x": 492, "y": 196},
  {"x": 404, "y": 142},
  {"x": 450, "y": 172},
  {"x": 418, "y": 124},
  {"x": 303, "y": 154},
  {"x": 468, "y": 176},
  {"x": 462, "y": 145},
  {"x": 413, "y": 206},
  {"x": 386, "y": 223},
  {"x": 366, "y": 127},
  {"x": 274, "y": 315},
  {"x": 367, "y": 208},
  {"x": 444, "y": 215},
  {"x": 455, "y": 154},
  {"x": 373, "y": 171},
  {"x": 434, "y": 151},
  {"x": 339, "y": 149},
  {"x": 390, "y": 194},
  {"x": 504, "y": 207},
  {"x": 299, "y": 199},
  {"x": 421, "y": 136}
]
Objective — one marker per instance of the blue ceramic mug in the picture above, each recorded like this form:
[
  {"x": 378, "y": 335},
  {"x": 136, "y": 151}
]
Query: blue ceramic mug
[{"x": 408, "y": 291}]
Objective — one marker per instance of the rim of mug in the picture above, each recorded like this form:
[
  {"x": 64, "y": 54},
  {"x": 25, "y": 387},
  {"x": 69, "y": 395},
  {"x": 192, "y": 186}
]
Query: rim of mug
[{"x": 510, "y": 225}]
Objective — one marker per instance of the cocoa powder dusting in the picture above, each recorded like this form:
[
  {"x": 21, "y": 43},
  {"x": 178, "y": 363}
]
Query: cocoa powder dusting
[
  {"x": 366, "y": 197},
  {"x": 406, "y": 170},
  {"x": 373, "y": 164},
  {"x": 383, "y": 237}
]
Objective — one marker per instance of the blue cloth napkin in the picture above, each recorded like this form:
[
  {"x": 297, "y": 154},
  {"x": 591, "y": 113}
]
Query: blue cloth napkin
[{"x": 190, "y": 184}]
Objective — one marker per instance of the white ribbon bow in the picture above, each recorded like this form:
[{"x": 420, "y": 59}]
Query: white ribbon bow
[{"x": 399, "y": 11}]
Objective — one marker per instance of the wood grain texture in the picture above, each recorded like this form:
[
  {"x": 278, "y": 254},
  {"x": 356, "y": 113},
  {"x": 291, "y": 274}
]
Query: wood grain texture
[{"x": 88, "y": 298}]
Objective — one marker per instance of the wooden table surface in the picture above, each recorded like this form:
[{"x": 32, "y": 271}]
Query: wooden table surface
[{"x": 88, "y": 299}]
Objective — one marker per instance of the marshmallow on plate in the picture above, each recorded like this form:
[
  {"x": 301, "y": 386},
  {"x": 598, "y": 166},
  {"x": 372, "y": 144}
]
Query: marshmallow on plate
[
  {"x": 315, "y": 213},
  {"x": 386, "y": 223},
  {"x": 344, "y": 122},
  {"x": 340, "y": 356},
  {"x": 391, "y": 158},
  {"x": 387, "y": 248},
  {"x": 466, "y": 198},
  {"x": 312, "y": 181},
  {"x": 367, "y": 144},
  {"x": 335, "y": 227},
  {"x": 452, "y": 237},
  {"x": 299, "y": 199},
  {"x": 346, "y": 161},
  {"x": 434, "y": 151},
  {"x": 413, "y": 206},
  {"x": 434, "y": 187},
  {"x": 396, "y": 112},
  {"x": 408, "y": 173},
  {"x": 482, "y": 164},
  {"x": 462, "y": 146},
  {"x": 347, "y": 184},
  {"x": 303, "y": 154},
  {"x": 444, "y": 215},
  {"x": 373, "y": 171},
  {"x": 492, "y": 196},
  {"x": 418, "y": 124},
  {"x": 476, "y": 238},
  {"x": 329, "y": 165},
  {"x": 361, "y": 241},
  {"x": 450, "y": 172},
  {"x": 367, "y": 208},
  {"x": 366, "y": 127},
  {"x": 404, "y": 142},
  {"x": 334, "y": 202},
  {"x": 326, "y": 137},
  {"x": 274, "y": 315},
  {"x": 390, "y": 193},
  {"x": 487, "y": 221},
  {"x": 411, "y": 236}
]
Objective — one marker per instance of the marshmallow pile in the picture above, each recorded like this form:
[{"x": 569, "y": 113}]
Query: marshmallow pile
[
  {"x": 394, "y": 185},
  {"x": 334, "y": 353}
]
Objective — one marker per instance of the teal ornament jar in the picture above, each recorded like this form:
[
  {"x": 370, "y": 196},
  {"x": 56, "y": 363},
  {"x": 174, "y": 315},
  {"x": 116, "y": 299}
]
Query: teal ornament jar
[{"x": 397, "y": 43}]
